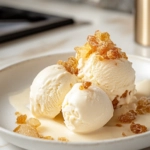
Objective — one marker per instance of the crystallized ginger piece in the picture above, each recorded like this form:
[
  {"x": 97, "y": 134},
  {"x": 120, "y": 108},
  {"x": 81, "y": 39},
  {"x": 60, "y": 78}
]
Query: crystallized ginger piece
[
  {"x": 113, "y": 54},
  {"x": 70, "y": 65},
  {"x": 21, "y": 119},
  {"x": 115, "y": 103},
  {"x": 123, "y": 134},
  {"x": 85, "y": 85},
  {"x": 119, "y": 125},
  {"x": 143, "y": 105},
  {"x": 63, "y": 139},
  {"x": 17, "y": 113},
  {"x": 137, "y": 128},
  {"x": 124, "y": 95},
  {"x": 26, "y": 129},
  {"x": 84, "y": 51},
  {"x": 101, "y": 44},
  {"x": 47, "y": 137},
  {"x": 33, "y": 122},
  {"x": 128, "y": 117}
]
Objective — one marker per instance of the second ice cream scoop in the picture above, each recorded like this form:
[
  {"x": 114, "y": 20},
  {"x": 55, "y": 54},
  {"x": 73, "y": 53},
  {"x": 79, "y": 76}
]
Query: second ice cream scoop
[
  {"x": 115, "y": 76},
  {"x": 48, "y": 90},
  {"x": 101, "y": 62},
  {"x": 86, "y": 110}
]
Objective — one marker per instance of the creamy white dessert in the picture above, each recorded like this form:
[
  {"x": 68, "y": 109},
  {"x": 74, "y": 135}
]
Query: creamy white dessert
[
  {"x": 116, "y": 77},
  {"x": 86, "y": 109},
  {"x": 105, "y": 65},
  {"x": 48, "y": 90},
  {"x": 88, "y": 88}
]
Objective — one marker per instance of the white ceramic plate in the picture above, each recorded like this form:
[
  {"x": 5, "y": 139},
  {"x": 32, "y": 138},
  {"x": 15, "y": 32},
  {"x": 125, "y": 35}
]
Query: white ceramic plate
[{"x": 19, "y": 76}]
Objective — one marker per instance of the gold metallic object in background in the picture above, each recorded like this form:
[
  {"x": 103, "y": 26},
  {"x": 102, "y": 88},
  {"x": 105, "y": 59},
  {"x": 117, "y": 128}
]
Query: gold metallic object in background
[{"x": 142, "y": 22}]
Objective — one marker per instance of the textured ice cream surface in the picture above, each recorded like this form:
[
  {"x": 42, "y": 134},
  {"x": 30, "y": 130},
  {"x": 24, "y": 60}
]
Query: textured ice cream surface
[
  {"x": 86, "y": 110},
  {"x": 48, "y": 90},
  {"x": 115, "y": 76}
]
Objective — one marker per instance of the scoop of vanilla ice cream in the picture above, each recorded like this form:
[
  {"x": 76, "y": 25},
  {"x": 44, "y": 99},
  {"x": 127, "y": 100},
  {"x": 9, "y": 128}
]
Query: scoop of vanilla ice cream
[
  {"x": 115, "y": 76},
  {"x": 48, "y": 90},
  {"x": 86, "y": 110}
]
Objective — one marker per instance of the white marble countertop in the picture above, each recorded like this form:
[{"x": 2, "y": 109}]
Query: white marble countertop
[{"x": 119, "y": 25}]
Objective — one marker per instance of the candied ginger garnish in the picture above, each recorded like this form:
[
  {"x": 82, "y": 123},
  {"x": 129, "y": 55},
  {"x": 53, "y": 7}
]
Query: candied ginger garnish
[
  {"x": 143, "y": 105},
  {"x": 29, "y": 127},
  {"x": 33, "y": 122},
  {"x": 101, "y": 44},
  {"x": 21, "y": 119},
  {"x": 128, "y": 117},
  {"x": 123, "y": 134},
  {"x": 119, "y": 125},
  {"x": 115, "y": 102},
  {"x": 63, "y": 139},
  {"x": 70, "y": 65},
  {"x": 26, "y": 129},
  {"x": 124, "y": 94},
  {"x": 17, "y": 113},
  {"x": 113, "y": 54},
  {"x": 85, "y": 85},
  {"x": 47, "y": 137},
  {"x": 137, "y": 128}
]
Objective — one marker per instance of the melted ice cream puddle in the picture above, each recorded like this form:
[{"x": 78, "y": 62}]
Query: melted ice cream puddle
[{"x": 56, "y": 128}]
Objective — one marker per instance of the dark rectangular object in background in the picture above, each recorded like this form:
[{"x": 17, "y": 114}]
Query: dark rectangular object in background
[{"x": 17, "y": 23}]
